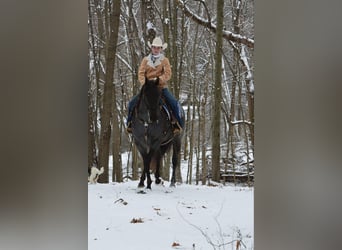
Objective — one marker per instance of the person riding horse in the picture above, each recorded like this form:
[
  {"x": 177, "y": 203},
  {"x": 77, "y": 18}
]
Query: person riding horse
[
  {"x": 157, "y": 65},
  {"x": 153, "y": 135}
]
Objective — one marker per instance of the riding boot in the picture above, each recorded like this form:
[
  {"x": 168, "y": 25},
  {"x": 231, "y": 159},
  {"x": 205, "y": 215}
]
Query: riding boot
[
  {"x": 129, "y": 127},
  {"x": 129, "y": 123}
]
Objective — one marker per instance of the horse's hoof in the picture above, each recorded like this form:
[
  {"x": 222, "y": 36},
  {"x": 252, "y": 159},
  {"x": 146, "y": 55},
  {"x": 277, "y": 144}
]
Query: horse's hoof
[
  {"x": 141, "y": 191},
  {"x": 159, "y": 181}
]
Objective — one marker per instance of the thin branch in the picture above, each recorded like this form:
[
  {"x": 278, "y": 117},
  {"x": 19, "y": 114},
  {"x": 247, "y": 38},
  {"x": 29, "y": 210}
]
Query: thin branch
[
  {"x": 198, "y": 228},
  {"x": 227, "y": 35},
  {"x": 241, "y": 121},
  {"x": 124, "y": 62},
  {"x": 204, "y": 233},
  {"x": 206, "y": 9}
]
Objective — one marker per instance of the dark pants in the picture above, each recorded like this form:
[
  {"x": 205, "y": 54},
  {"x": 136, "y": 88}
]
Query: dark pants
[{"x": 169, "y": 98}]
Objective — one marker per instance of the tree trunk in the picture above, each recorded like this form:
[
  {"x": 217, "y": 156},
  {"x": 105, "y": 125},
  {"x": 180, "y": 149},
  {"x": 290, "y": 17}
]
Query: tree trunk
[
  {"x": 217, "y": 95},
  {"x": 117, "y": 164},
  {"x": 203, "y": 136},
  {"x": 91, "y": 118},
  {"x": 136, "y": 53},
  {"x": 114, "y": 18},
  {"x": 191, "y": 135}
]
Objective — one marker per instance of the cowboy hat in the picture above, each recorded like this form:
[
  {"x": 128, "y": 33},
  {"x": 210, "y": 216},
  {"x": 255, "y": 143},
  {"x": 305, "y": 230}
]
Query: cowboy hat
[{"x": 157, "y": 42}]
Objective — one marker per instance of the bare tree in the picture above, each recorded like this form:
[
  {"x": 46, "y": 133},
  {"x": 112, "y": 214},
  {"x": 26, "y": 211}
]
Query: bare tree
[
  {"x": 135, "y": 54},
  {"x": 91, "y": 105},
  {"x": 217, "y": 95},
  {"x": 114, "y": 22}
]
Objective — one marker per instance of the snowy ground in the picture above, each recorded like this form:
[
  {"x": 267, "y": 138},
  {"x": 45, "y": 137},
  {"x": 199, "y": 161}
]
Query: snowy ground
[{"x": 186, "y": 217}]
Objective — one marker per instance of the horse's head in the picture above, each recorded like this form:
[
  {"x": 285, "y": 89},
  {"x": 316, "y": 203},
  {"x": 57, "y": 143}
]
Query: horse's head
[
  {"x": 151, "y": 89},
  {"x": 151, "y": 96}
]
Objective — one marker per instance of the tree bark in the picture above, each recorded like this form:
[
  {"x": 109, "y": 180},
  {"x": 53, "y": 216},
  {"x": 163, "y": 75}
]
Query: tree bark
[
  {"x": 91, "y": 117},
  {"x": 114, "y": 18},
  {"x": 217, "y": 95},
  {"x": 117, "y": 163}
]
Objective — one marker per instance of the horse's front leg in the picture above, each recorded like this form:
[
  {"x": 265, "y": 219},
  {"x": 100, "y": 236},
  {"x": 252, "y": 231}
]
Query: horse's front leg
[
  {"x": 142, "y": 179},
  {"x": 147, "y": 162},
  {"x": 157, "y": 173},
  {"x": 144, "y": 172}
]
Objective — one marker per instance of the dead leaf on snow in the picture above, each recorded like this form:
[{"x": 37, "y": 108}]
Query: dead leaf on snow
[
  {"x": 175, "y": 244},
  {"x": 139, "y": 220}
]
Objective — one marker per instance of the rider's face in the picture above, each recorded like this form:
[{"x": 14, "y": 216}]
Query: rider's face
[{"x": 156, "y": 50}]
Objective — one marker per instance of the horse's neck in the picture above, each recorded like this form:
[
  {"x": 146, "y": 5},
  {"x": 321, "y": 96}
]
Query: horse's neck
[{"x": 153, "y": 109}]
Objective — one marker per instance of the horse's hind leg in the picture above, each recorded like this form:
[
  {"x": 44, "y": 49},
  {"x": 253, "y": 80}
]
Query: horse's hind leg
[
  {"x": 142, "y": 179},
  {"x": 174, "y": 166},
  {"x": 175, "y": 160}
]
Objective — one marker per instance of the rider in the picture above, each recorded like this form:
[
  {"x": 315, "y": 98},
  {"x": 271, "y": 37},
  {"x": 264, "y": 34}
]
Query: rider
[{"x": 153, "y": 66}]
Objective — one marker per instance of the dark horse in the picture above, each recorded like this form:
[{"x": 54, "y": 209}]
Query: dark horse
[{"x": 153, "y": 132}]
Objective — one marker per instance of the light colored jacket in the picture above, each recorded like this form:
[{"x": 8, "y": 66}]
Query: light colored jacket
[{"x": 160, "y": 68}]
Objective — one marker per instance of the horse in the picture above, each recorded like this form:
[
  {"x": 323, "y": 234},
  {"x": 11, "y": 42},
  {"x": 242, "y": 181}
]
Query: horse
[{"x": 152, "y": 132}]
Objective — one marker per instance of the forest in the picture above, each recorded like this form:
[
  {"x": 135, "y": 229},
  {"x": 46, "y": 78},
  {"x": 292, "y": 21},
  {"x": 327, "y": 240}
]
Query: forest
[{"x": 210, "y": 48}]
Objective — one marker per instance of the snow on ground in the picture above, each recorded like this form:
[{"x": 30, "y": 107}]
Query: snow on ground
[{"x": 187, "y": 217}]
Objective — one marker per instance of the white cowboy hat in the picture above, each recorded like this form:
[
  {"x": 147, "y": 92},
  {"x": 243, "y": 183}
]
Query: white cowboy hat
[{"x": 158, "y": 43}]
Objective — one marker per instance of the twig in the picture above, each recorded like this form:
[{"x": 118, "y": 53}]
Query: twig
[{"x": 204, "y": 233}]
